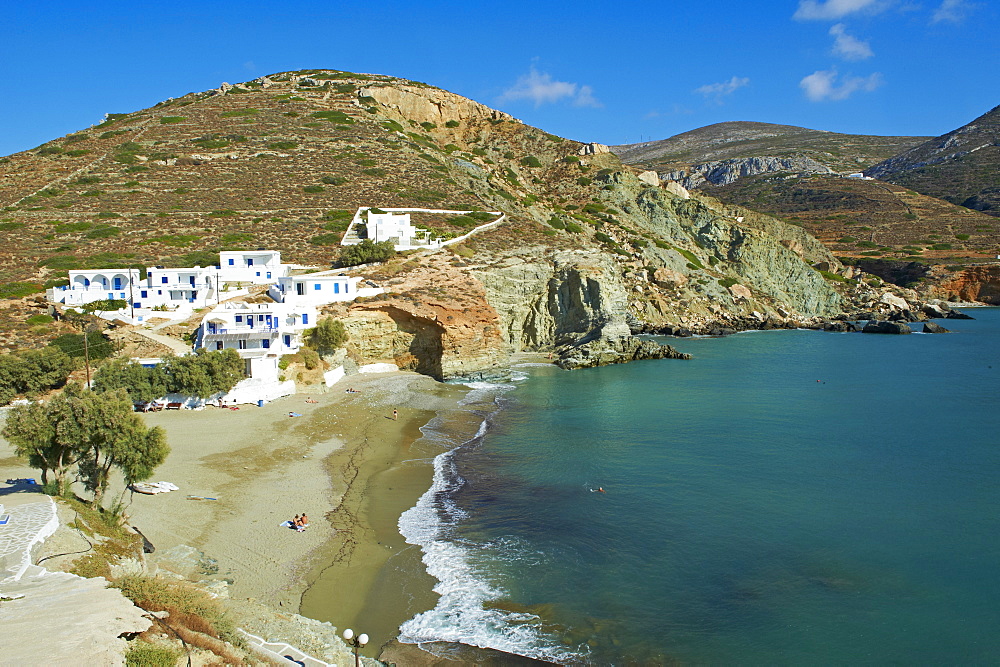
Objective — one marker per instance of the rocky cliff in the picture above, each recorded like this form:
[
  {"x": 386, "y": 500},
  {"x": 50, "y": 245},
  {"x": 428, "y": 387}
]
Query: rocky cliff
[{"x": 725, "y": 172}]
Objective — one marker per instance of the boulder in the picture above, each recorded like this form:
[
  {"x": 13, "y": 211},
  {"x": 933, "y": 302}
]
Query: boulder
[
  {"x": 740, "y": 291},
  {"x": 955, "y": 315},
  {"x": 933, "y": 310},
  {"x": 606, "y": 351},
  {"x": 677, "y": 189},
  {"x": 669, "y": 278},
  {"x": 593, "y": 149},
  {"x": 891, "y": 299},
  {"x": 883, "y": 327},
  {"x": 931, "y": 327},
  {"x": 821, "y": 266},
  {"x": 792, "y": 244},
  {"x": 680, "y": 332},
  {"x": 650, "y": 178}
]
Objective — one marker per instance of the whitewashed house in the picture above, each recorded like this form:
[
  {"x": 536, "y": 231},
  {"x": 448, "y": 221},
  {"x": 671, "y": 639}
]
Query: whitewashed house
[
  {"x": 320, "y": 288},
  {"x": 174, "y": 289},
  {"x": 260, "y": 332},
  {"x": 394, "y": 225},
  {"x": 259, "y": 267},
  {"x": 97, "y": 285}
]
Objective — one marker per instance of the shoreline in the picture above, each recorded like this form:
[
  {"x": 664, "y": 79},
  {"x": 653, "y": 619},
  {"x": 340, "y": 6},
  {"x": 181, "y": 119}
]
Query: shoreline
[{"x": 345, "y": 461}]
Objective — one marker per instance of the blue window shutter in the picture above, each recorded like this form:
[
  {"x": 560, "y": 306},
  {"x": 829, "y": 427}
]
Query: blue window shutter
[
  {"x": 266, "y": 343},
  {"x": 143, "y": 294},
  {"x": 232, "y": 262},
  {"x": 163, "y": 280},
  {"x": 305, "y": 318},
  {"x": 239, "y": 318}
]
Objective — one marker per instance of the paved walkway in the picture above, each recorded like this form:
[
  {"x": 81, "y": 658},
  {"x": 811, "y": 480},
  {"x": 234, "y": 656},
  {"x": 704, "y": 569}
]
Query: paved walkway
[
  {"x": 30, "y": 523},
  {"x": 281, "y": 653},
  {"x": 179, "y": 347}
]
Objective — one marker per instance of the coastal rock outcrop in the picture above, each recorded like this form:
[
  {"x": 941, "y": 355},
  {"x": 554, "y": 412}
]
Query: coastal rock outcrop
[
  {"x": 885, "y": 327},
  {"x": 980, "y": 283},
  {"x": 934, "y": 328},
  {"x": 607, "y": 351}
]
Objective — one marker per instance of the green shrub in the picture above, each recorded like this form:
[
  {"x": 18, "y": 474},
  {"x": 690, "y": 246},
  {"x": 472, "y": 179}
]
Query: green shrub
[
  {"x": 77, "y": 152},
  {"x": 962, "y": 237},
  {"x": 40, "y": 319},
  {"x": 328, "y": 335},
  {"x": 236, "y": 238},
  {"x": 8, "y": 226},
  {"x": 375, "y": 171},
  {"x": 531, "y": 161},
  {"x": 310, "y": 358},
  {"x": 236, "y": 113},
  {"x": 334, "y": 180},
  {"x": 170, "y": 120},
  {"x": 557, "y": 223},
  {"x": 327, "y": 239},
  {"x": 452, "y": 123},
  {"x": 867, "y": 244},
  {"x": 313, "y": 189},
  {"x": 49, "y": 150},
  {"x": 103, "y": 233},
  {"x": 835, "y": 277},
  {"x": 365, "y": 252},
  {"x": 98, "y": 345},
  {"x": 283, "y": 145},
  {"x": 334, "y": 117},
  {"x": 392, "y": 125},
  {"x": 428, "y": 126},
  {"x": 574, "y": 228},
  {"x": 584, "y": 181},
  {"x": 144, "y": 654},
  {"x": 223, "y": 213},
  {"x": 941, "y": 246},
  {"x": 338, "y": 214}
]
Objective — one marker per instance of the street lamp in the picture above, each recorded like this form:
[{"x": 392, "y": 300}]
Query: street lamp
[{"x": 356, "y": 643}]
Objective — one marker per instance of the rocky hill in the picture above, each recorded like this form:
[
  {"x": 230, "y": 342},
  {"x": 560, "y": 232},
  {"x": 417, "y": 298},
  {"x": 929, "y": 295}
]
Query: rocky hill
[
  {"x": 799, "y": 176},
  {"x": 962, "y": 166},
  {"x": 789, "y": 148},
  {"x": 589, "y": 250}
]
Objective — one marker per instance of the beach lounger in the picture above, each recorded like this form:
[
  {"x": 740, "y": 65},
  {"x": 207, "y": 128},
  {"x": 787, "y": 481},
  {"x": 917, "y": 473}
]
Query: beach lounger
[
  {"x": 173, "y": 406},
  {"x": 4, "y": 519}
]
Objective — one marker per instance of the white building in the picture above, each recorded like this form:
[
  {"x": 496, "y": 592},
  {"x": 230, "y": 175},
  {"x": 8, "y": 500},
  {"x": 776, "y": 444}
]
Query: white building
[
  {"x": 97, "y": 285},
  {"x": 320, "y": 288},
  {"x": 175, "y": 289},
  {"x": 260, "y": 332},
  {"x": 394, "y": 225}
]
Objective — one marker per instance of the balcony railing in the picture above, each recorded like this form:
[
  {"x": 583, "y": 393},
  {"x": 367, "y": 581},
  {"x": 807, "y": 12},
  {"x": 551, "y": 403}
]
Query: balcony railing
[{"x": 240, "y": 330}]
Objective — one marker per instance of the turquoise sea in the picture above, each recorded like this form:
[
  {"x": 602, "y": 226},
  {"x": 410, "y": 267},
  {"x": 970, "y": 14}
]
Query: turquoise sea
[{"x": 785, "y": 497}]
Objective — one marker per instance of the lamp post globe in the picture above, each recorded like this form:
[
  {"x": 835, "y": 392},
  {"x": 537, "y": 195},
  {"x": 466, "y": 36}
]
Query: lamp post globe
[
  {"x": 348, "y": 634},
  {"x": 362, "y": 639}
]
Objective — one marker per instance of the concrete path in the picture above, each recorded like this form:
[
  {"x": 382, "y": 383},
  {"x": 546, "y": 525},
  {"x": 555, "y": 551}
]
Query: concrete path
[
  {"x": 179, "y": 348},
  {"x": 281, "y": 652},
  {"x": 30, "y": 523},
  {"x": 54, "y": 618}
]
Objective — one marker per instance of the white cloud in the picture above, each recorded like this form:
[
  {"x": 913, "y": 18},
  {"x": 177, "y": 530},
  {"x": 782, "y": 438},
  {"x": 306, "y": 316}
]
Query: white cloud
[
  {"x": 952, "y": 11},
  {"x": 822, "y": 10},
  {"x": 716, "y": 91},
  {"x": 847, "y": 46},
  {"x": 824, "y": 85},
  {"x": 540, "y": 88}
]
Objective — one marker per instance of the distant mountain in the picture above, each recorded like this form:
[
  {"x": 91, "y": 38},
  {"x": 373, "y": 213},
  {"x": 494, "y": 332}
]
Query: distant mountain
[
  {"x": 745, "y": 139},
  {"x": 962, "y": 166}
]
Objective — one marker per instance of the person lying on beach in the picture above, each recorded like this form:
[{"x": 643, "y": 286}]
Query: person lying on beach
[
  {"x": 302, "y": 522},
  {"x": 311, "y": 400}
]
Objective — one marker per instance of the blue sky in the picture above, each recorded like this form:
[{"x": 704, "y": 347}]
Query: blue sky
[{"x": 592, "y": 71}]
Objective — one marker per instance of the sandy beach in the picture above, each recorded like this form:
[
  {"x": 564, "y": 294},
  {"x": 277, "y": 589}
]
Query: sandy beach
[{"x": 346, "y": 462}]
